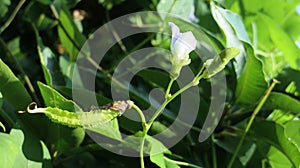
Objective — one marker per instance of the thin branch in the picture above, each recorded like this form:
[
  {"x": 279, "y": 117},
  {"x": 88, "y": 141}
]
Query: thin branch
[
  {"x": 12, "y": 16},
  {"x": 20, "y": 69},
  {"x": 255, "y": 112}
]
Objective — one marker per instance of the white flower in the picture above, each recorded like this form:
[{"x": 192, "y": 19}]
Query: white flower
[{"x": 181, "y": 46}]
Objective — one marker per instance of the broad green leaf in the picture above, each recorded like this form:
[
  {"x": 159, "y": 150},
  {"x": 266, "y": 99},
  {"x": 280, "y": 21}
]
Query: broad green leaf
[
  {"x": 69, "y": 34},
  {"x": 33, "y": 152},
  {"x": 276, "y": 9},
  {"x": 282, "y": 40},
  {"x": 292, "y": 26},
  {"x": 282, "y": 102},
  {"x": 158, "y": 159},
  {"x": 251, "y": 5},
  {"x": 157, "y": 151},
  {"x": 49, "y": 64},
  {"x": 132, "y": 144},
  {"x": 180, "y": 8},
  {"x": 20, "y": 149},
  {"x": 4, "y": 5},
  {"x": 292, "y": 129},
  {"x": 9, "y": 148},
  {"x": 108, "y": 129},
  {"x": 278, "y": 159},
  {"x": 11, "y": 88},
  {"x": 274, "y": 134},
  {"x": 54, "y": 99},
  {"x": 213, "y": 66},
  {"x": 236, "y": 22},
  {"x": 232, "y": 34},
  {"x": 252, "y": 84}
]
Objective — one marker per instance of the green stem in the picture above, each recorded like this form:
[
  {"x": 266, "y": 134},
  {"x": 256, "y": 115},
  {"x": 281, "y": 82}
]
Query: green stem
[
  {"x": 145, "y": 130},
  {"x": 169, "y": 88},
  {"x": 255, "y": 112},
  {"x": 160, "y": 109},
  {"x": 139, "y": 112},
  {"x": 142, "y": 150},
  {"x": 12, "y": 16},
  {"x": 214, "y": 155}
]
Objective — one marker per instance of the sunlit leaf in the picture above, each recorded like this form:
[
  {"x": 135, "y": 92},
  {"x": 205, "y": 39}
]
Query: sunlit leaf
[
  {"x": 11, "y": 88},
  {"x": 283, "y": 102},
  {"x": 180, "y": 8},
  {"x": 274, "y": 134},
  {"x": 252, "y": 84},
  {"x": 234, "y": 31},
  {"x": 17, "y": 151},
  {"x": 282, "y": 40}
]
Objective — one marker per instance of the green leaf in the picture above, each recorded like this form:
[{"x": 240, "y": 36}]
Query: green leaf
[
  {"x": 179, "y": 8},
  {"x": 251, "y": 84},
  {"x": 274, "y": 134},
  {"x": 20, "y": 149},
  {"x": 54, "y": 99},
  {"x": 233, "y": 30},
  {"x": 289, "y": 78},
  {"x": 246, "y": 150},
  {"x": 71, "y": 72},
  {"x": 236, "y": 23},
  {"x": 283, "y": 102},
  {"x": 69, "y": 35},
  {"x": 282, "y": 40},
  {"x": 213, "y": 66},
  {"x": 9, "y": 148},
  {"x": 39, "y": 15},
  {"x": 155, "y": 77},
  {"x": 157, "y": 151},
  {"x": 108, "y": 129},
  {"x": 4, "y": 7},
  {"x": 11, "y": 88},
  {"x": 277, "y": 159},
  {"x": 50, "y": 66},
  {"x": 292, "y": 129}
]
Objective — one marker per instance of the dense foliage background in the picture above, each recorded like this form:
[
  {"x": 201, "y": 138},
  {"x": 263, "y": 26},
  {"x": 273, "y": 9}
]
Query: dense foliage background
[{"x": 39, "y": 43}]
